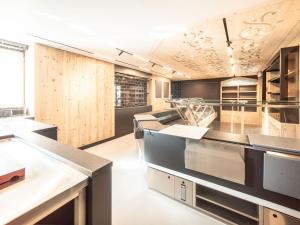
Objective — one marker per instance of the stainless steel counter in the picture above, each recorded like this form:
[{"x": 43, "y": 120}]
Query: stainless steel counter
[{"x": 46, "y": 178}]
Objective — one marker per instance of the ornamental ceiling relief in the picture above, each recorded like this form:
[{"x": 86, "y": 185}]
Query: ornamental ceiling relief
[{"x": 255, "y": 34}]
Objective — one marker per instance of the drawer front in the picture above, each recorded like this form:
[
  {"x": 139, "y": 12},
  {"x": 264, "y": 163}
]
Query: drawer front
[
  {"x": 216, "y": 158},
  {"x": 272, "y": 217},
  {"x": 184, "y": 191},
  {"x": 281, "y": 174},
  {"x": 160, "y": 181}
]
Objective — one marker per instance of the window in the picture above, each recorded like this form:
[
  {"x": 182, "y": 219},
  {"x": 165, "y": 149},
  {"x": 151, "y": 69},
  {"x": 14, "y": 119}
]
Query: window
[{"x": 11, "y": 78}]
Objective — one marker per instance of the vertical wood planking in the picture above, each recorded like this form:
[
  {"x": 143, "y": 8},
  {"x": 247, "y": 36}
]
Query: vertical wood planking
[{"x": 75, "y": 93}]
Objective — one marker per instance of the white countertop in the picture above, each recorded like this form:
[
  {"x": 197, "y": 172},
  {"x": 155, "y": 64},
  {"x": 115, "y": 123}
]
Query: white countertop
[
  {"x": 45, "y": 178},
  {"x": 144, "y": 117},
  {"x": 185, "y": 131}
]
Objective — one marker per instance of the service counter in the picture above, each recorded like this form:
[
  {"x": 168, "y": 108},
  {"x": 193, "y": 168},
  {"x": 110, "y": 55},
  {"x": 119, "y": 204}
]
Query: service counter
[{"x": 224, "y": 171}]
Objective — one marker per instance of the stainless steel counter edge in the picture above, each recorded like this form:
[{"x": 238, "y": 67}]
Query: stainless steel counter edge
[
  {"x": 254, "y": 141},
  {"x": 85, "y": 162}
]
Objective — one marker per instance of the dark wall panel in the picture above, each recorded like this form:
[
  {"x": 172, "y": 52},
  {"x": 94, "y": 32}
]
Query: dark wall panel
[
  {"x": 207, "y": 89},
  {"x": 124, "y": 119}
]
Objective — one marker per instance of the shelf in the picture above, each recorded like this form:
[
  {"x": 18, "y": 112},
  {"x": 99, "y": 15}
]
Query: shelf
[
  {"x": 230, "y": 98},
  {"x": 230, "y": 92},
  {"x": 247, "y": 98},
  {"x": 248, "y": 91},
  {"x": 220, "y": 202},
  {"x": 229, "y": 202},
  {"x": 275, "y": 79},
  {"x": 274, "y": 93},
  {"x": 229, "y": 216}
]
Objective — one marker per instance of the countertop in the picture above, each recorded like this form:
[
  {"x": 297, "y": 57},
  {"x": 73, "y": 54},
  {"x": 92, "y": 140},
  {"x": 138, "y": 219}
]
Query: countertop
[
  {"x": 254, "y": 141},
  {"x": 18, "y": 124},
  {"x": 45, "y": 179}
]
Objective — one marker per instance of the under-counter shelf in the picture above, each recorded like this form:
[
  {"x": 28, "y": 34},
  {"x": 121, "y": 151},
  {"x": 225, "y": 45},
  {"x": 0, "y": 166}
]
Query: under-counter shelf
[
  {"x": 224, "y": 214},
  {"x": 221, "y": 202}
]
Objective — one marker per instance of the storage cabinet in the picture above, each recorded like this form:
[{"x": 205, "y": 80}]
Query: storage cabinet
[
  {"x": 172, "y": 186},
  {"x": 272, "y": 217},
  {"x": 224, "y": 207},
  {"x": 160, "y": 181}
]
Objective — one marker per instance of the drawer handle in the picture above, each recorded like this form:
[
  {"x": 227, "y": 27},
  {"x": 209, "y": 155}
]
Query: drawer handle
[
  {"x": 274, "y": 215},
  {"x": 169, "y": 177}
]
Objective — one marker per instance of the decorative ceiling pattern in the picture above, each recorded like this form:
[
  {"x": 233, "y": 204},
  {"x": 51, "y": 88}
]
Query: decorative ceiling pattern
[{"x": 256, "y": 34}]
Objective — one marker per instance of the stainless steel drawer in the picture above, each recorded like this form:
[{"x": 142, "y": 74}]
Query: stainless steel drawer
[
  {"x": 272, "y": 217},
  {"x": 216, "y": 158},
  {"x": 281, "y": 174},
  {"x": 161, "y": 181}
]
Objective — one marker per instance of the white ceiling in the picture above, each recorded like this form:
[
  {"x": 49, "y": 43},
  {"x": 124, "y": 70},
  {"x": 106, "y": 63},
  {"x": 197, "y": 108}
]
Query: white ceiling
[{"x": 187, "y": 36}]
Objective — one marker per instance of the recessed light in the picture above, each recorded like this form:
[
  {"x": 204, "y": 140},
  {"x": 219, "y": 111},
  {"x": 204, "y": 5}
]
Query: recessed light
[
  {"x": 169, "y": 76},
  {"x": 171, "y": 28},
  {"x": 167, "y": 68},
  {"x": 161, "y": 35},
  {"x": 140, "y": 58},
  {"x": 143, "y": 68},
  {"x": 231, "y": 60},
  {"x": 104, "y": 57},
  {"x": 82, "y": 29},
  {"x": 180, "y": 74},
  {"x": 230, "y": 51}
]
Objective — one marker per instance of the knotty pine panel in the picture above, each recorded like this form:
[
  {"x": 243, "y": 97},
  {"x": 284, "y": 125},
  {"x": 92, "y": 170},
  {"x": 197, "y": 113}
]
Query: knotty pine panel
[{"x": 75, "y": 93}]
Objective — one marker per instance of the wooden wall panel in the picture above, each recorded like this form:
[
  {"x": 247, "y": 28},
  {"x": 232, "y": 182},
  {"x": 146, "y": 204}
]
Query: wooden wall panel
[{"x": 75, "y": 93}]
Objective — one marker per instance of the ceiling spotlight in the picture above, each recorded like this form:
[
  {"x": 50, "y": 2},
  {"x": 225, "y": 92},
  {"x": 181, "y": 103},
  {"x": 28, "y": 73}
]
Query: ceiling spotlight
[
  {"x": 167, "y": 68},
  {"x": 230, "y": 51},
  {"x": 140, "y": 58}
]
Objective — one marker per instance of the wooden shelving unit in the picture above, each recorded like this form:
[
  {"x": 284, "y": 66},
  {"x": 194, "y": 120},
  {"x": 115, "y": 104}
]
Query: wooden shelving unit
[
  {"x": 239, "y": 89},
  {"x": 238, "y": 92},
  {"x": 282, "y": 83}
]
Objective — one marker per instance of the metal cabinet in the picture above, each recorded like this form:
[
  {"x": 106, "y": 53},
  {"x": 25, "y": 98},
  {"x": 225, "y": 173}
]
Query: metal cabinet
[{"x": 160, "y": 181}]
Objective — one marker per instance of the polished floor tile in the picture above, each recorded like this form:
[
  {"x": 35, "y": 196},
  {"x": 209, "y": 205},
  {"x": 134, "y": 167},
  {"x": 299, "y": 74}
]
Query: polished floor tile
[{"x": 133, "y": 202}]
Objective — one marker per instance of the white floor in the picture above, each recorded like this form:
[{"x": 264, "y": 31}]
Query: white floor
[{"x": 135, "y": 204}]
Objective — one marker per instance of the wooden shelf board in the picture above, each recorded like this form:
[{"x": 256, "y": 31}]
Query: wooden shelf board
[
  {"x": 274, "y": 79},
  {"x": 227, "y": 207},
  {"x": 247, "y": 98},
  {"x": 231, "y": 98},
  {"x": 273, "y": 93},
  {"x": 292, "y": 73}
]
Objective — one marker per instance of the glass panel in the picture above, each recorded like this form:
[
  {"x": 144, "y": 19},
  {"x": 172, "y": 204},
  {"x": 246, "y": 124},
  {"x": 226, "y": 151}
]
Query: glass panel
[{"x": 242, "y": 116}]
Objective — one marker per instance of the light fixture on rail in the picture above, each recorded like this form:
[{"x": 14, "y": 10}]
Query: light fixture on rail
[{"x": 229, "y": 48}]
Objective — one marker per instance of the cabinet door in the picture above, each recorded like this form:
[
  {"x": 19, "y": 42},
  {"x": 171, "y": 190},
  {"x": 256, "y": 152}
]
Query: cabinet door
[
  {"x": 184, "y": 191},
  {"x": 272, "y": 217},
  {"x": 160, "y": 181}
]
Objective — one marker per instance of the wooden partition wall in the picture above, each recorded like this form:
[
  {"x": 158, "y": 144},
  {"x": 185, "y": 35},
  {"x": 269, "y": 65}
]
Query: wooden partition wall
[{"x": 75, "y": 93}]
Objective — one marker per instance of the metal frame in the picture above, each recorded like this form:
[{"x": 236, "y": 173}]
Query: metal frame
[{"x": 193, "y": 112}]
